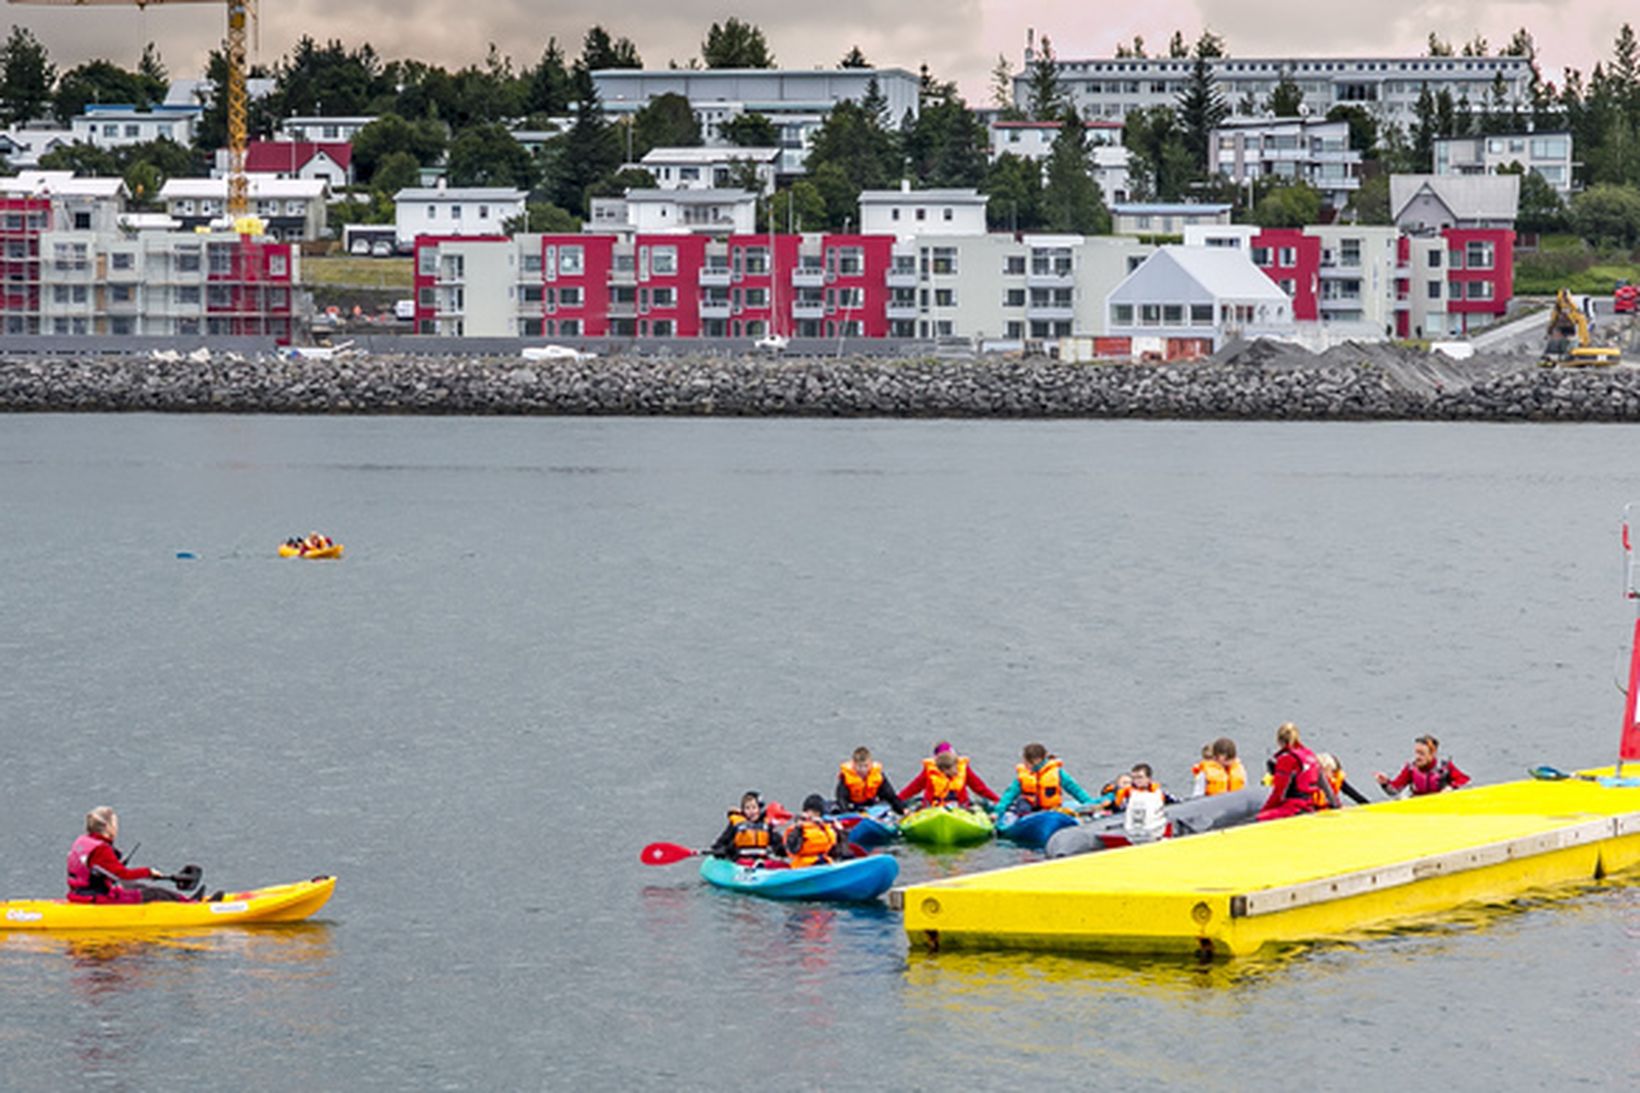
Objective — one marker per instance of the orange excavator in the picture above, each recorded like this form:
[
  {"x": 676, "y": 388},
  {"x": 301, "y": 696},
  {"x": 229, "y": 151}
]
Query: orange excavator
[{"x": 1569, "y": 341}]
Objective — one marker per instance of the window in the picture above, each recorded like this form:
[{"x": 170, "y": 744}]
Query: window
[
  {"x": 570, "y": 328},
  {"x": 922, "y": 214},
  {"x": 1172, "y": 314},
  {"x": 1434, "y": 290},
  {"x": 455, "y": 212},
  {"x": 569, "y": 296},
  {"x": 427, "y": 261},
  {"x": 1150, "y": 314},
  {"x": 1349, "y": 253},
  {"x": 665, "y": 297},
  {"x": 483, "y": 212},
  {"x": 947, "y": 214},
  {"x": 1289, "y": 257},
  {"x": 1480, "y": 290},
  {"x": 187, "y": 294},
  {"x": 1434, "y": 259},
  {"x": 661, "y": 328},
  {"x": 1261, "y": 256},
  {"x": 945, "y": 297},
  {"x": 1288, "y": 285},
  {"x": 572, "y": 261},
  {"x": 1478, "y": 255},
  {"x": 944, "y": 260},
  {"x": 530, "y": 294},
  {"x": 1201, "y": 314},
  {"x": 1014, "y": 297},
  {"x": 1014, "y": 265},
  {"x": 663, "y": 261},
  {"x": 278, "y": 265}
]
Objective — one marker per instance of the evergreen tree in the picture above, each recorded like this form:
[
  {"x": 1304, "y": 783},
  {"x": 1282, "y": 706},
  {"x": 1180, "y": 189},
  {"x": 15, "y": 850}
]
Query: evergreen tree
[
  {"x": 1176, "y": 47},
  {"x": 854, "y": 59},
  {"x": 1201, "y": 105},
  {"x": 875, "y": 104},
  {"x": 1425, "y": 129},
  {"x": 585, "y": 154},
  {"x": 599, "y": 50},
  {"x": 1002, "y": 91},
  {"x": 1047, "y": 94},
  {"x": 666, "y": 121},
  {"x": 947, "y": 143},
  {"x": 1071, "y": 199},
  {"x": 396, "y": 171},
  {"x": 548, "y": 83},
  {"x": 151, "y": 67},
  {"x": 851, "y": 152},
  {"x": 1287, "y": 98},
  {"x": 734, "y": 44},
  {"x": 796, "y": 209},
  {"x": 1014, "y": 185},
  {"x": 488, "y": 155},
  {"x": 1160, "y": 165},
  {"x": 26, "y": 77},
  {"x": 750, "y": 131}
]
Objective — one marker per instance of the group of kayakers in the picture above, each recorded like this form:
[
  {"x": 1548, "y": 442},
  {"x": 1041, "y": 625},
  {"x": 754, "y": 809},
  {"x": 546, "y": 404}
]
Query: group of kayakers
[
  {"x": 312, "y": 541},
  {"x": 1299, "y": 781}
]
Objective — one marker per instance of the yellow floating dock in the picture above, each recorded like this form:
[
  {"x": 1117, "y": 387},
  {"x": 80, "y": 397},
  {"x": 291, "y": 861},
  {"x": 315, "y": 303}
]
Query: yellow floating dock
[{"x": 1327, "y": 875}]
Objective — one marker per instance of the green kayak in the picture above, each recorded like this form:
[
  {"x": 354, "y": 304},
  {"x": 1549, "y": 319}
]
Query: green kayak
[{"x": 947, "y": 826}]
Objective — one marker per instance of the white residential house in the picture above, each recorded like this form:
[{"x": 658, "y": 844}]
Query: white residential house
[
  {"x": 330, "y": 163},
  {"x": 78, "y": 204},
  {"x": 1546, "y": 154},
  {"x": 320, "y": 130},
  {"x": 455, "y": 210},
  {"x": 1182, "y": 301},
  {"x": 700, "y": 212},
  {"x": 1033, "y": 140},
  {"x": 291, "y": 209},
  {"x": 1431, "y": 203},
  {"x": 1145, "y": 218},
  {"x": 113, "y": 125},
  {"x": 22, "y": 146},
  {"x": 719, "y": 168},
  {"x": 1287, "y": 150},
  {"x": 906, "y": 213}
]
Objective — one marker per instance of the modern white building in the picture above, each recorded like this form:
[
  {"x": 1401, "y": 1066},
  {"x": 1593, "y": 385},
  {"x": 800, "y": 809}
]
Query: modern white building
[
  {"x": 1288, "y": 150},
  {"x": 22, "y": 146},
  {"x": 1432, "y": 203},
  {"x": 113, "y": 125},
  {"x": 695, "y": 212},
  {"x": 1388, "y": 87},
  {"x": 455, "y": 210},
  {"x": 1187, "y": 301},
  {"x": 716, "y": 168},
  {"x": 1165, "y": 218},
  {"x": 290, "y": 209},
  {"x": 80, "y": 204},
  {"x": 198, "y": 92},
  {"x": 1033, "y": 140},
  {"x": 906, "y": 213},
  {"x": 321, "y": 130},
  {"x": 1547, "y": 155},
  {"x": 796, "y": 101}
]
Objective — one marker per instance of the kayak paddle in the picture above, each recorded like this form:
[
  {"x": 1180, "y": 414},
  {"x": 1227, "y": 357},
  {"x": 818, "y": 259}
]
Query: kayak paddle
[{"x": 666, "y": 854}]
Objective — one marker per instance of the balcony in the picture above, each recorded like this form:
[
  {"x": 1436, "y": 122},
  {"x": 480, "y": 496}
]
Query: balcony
[
  {"x": 1050, "y": 312},
  {"x": 808, "y": 310},
  {"x": 715, "y": 309},
  {"x": 902, "y": 312},
  {"x": 1055, "y": 278},
  {"x": 715, "y": 276},
  {"x": 900, "y": 278},
  {"x": 808, "y": 278}
]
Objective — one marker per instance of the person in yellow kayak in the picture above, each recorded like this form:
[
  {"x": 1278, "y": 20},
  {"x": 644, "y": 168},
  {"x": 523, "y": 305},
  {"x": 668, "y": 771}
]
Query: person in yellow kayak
[
  {"x": 813, "y": 839},
  {"x": 749, "y": 835},
  {"x": 1040, "y": 784},
  {"x": 95, "y": 868},
  {"x": 861, "y": 784},
  {"x": 946, "y": 778}
]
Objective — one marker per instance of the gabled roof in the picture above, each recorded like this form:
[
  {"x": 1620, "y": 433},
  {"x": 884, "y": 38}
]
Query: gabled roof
[
  {"x": 1466, "y": 197},
  {"x": 1224, "y": 272},
  {"x": 270, "y": 156},
  {"x": 459, "y": 193},
  {"x": 62, "y": 184}
]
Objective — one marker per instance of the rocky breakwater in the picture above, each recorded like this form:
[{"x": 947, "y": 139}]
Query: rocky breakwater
[{"x": 1255, "y": 382}]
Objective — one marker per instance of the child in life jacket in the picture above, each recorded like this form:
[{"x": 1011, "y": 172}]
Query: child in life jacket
[
  {"x": 1427, "y": 773},
  {"x": 861, "y": 784},
  {"x": 946, "y": 779},
  {"x": 1340, "y": 783},
  {"x": 1040, "y": 784},
  {"x": 1145, "y": 818},
  {"x": 1220, "y": 771},
  {"x": 749, "y": 835},
  {"x": 813, "y": 839}
]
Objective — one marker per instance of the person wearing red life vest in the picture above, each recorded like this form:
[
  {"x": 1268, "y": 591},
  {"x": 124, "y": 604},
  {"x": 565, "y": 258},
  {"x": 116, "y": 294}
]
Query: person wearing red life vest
[
  {"x": 1295, "y": 779},
  {"x": 946, "y": 779},
  {"x": 861, "y": 784},
  {"x": 1427, "y": 773},
  {"x": 95, "y": 869}
]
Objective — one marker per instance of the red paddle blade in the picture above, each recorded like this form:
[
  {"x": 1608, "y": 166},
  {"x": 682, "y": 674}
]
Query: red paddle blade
[
  {"x": 777, "y": 812},
  {"x": 664, "y": 853}
]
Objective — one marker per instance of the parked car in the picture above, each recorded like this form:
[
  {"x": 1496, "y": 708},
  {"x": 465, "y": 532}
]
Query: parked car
[
  {"x": 381, "y": 248},
  {"x": 360, "y": 247}
]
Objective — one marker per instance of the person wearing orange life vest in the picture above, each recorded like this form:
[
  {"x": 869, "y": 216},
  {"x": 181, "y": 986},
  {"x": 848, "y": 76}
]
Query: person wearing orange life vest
[
  {"x": 814, "y": 840},
  {"x": 946, "y": 778},
  {"x": 1040, "y": 784},
  {"x": 1334, "y": 773},
  {"x": 749, "y": 835},
  {"x": 1295, "y": 778},
  {"x": 1219, "y": 771},
  {"x": 861, "y": 783}
]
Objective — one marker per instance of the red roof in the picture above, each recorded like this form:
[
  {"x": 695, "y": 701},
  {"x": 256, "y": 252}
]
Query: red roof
[{"x": 266, "y": 157}]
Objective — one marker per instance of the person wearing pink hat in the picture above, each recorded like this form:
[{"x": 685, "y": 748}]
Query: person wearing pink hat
[{"x": 946, "y": 778}]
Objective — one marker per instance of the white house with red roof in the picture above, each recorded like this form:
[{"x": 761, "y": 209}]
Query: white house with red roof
[{"x": 328, "y": 161}]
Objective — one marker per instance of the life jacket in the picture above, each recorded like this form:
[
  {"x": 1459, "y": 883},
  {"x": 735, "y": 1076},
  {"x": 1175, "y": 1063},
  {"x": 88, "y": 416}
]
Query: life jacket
[
  {"x": 1118, "y": 795},
  {"x": 1433, "y": 780},
  {"x": 942, "y": 789},
  {"x": 85, "y": 884},
  {"x": 1222, "y": 779},
  {"x": 818, "y": 839},
  {"x": 862, "y": 791},
  {"x": 1309, "y": 781},
  {"x": 752, "y": 838},
  {"x": 1041, "y": 787},
  {"x": 1335, "y": 782},
  {"x": 1146, "y": 819}
]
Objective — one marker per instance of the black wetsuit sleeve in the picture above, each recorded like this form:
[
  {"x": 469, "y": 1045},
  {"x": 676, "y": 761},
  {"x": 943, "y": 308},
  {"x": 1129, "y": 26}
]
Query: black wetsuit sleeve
[
  {"x": 1354, "y": 794},
  {"x": 720, "y": 848},
  {"x": 845, "y": 803},
  {"x": 886, "y": 794}
]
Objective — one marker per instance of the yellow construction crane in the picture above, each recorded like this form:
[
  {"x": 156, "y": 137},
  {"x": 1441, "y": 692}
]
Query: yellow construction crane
[{"x": 239, "y": 14}]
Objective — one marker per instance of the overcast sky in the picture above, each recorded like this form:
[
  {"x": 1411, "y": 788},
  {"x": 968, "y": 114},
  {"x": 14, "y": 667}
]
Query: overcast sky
[{"x": 958, "y": 39}]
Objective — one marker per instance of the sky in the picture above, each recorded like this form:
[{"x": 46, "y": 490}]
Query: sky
[{"x": 958, "y": 39}]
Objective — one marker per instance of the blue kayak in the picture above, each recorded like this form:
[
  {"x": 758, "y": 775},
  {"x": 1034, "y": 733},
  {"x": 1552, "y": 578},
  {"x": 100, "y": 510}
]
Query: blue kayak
[
  {"x": 873, "y": 827},
  {"x": 852, "y": 880},
  {"x": 1033, "y": 829}
]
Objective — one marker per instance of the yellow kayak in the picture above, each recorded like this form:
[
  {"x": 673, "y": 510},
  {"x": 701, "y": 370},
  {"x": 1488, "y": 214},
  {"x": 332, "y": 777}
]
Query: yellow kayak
[
  {"x": 334, "y": 550},
  {"x": 279, "y": 903}
]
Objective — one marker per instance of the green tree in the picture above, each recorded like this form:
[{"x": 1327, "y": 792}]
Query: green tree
[
  {"x": 151, "y": 67},
  {"x": 1363, "y": 128},
  {"x": 850, "y": 152},
  {"x": 1426, "y": 128},
  {"x": 1287, "y": 99},
  {"x": 1047, "y": 94},
  {"x": 854, "y": 59},
  {"x": 544, "y": 217},
  {"x": 26, "y": 77},
  {"x": 1160, "y": 165},
  {"x": 797, "y": 208},
  {"x": 735, "y": 44},
  {"x": 547, "y": 84},
  {"x": 1002, "y": 91},
  {"x": 1292, "y": 206},
  {"x": 102, "y": 82},
  {"x": 423, "y": 140},
  {"x": 1014, "y": 185},
  {"x": 750, "y": 131},
  {"x": 666, "y": 121},
  {"x": 1437, "y": 47},
  {"x": 143, "y": 181},
  {"x": 1540, "y": 208},
  {"x": 1608, "y": 215},
  {"x": 1071, "y": 199},
  {"x": 1201, "y": 105},
  {"x": 1136, "y": 50},
  {"x": 396, "y": 171},
  {"x": 617, "y": 184},
  {"x": 82, "y": 159},
  {"x": 947, "y": 145},
  {"x": 586, "y": 153},
  {"x": 598, "y": 50},
  {"x": 1370, "y": 204},
  {"x": 1177, "y": 48},
  {"x": 488, "y": 155},
  {"x": 326, "y": 80}
]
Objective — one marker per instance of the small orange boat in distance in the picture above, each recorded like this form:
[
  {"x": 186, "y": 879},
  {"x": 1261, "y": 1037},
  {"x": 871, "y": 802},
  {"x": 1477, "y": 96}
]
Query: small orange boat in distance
[{"x": 310, "y": 546}]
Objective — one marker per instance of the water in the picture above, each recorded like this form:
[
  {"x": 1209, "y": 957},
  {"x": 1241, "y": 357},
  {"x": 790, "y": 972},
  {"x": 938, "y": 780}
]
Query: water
[{"x": 553, "y": 641}]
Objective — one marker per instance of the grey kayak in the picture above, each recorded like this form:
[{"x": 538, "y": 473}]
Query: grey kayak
[{"x": 1190, "y": 817}]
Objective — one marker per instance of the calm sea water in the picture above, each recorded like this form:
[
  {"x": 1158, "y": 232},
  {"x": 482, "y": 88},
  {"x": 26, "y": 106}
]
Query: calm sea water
[{"x": 553, "y": 641}]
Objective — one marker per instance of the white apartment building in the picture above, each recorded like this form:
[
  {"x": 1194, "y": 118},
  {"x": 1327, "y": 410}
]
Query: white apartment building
[
  {"x": 321, "y": 130},
  {"x": 455, "y": 210},
  {"x": 1165, "y": 218},
  {"x": 1033, "y": 140},
  {"x": 716, "y": 168},
  {"x": 796, "y": 101},
  {"x": 113, "y": 125},
  {"x": 698, "y": 212},
  {"x": 1111, "y": 88},
  {"x": 1185, "y": 301},
  {"x": 290, "y": 208},
  {"x": 906, "y": 213},
  {"x": 83, "y": 204},
  {"x": 1347, "y": 283},
  {"x": 1288, "y": 150},
  {"x": 1547, "y": 155}
]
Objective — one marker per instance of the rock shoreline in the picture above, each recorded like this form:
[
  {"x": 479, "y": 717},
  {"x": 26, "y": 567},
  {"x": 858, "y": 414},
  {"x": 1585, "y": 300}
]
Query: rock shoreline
[{"x": 1360, "y": 383}]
